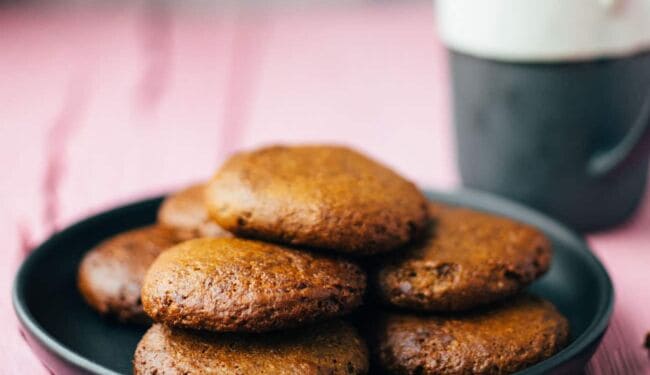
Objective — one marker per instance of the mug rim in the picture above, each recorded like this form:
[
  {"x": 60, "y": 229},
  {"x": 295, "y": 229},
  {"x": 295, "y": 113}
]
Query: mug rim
[{"x": 544, "y": 30}]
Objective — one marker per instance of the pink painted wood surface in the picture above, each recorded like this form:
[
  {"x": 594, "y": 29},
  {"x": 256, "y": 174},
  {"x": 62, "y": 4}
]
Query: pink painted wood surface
[{"x": 102, "y": 107}]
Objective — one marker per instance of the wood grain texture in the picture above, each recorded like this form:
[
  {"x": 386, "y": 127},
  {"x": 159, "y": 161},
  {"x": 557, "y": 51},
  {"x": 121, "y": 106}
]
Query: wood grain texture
[{"x": 102, "y": 106}]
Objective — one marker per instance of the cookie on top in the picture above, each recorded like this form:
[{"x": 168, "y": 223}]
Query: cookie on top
[{"x": 326, "y": 197}]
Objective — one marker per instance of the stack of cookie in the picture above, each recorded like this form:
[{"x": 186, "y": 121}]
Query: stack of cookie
[
  {"x": 255, "y": 271},
  {"x": 459, "y": 291}
]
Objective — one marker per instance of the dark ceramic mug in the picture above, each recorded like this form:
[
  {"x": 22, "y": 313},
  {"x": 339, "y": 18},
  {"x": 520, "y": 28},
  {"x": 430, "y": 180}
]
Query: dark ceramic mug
[{"x": 564, "y": 128}]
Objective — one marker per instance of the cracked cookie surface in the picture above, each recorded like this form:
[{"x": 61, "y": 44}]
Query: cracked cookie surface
[{"x": 237, "y": 285}]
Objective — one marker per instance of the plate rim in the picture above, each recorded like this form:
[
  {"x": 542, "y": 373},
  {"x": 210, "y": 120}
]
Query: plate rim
[
  {"x": 25, "y": 317},
  {"x": 478, "y": 199}
]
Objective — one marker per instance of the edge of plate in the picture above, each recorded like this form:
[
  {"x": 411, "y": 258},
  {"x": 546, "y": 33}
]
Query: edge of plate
[{"x": 27, "y": 320}]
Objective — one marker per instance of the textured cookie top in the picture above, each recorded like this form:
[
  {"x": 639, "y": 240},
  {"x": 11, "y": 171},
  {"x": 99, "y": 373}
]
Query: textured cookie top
[
  {"x": 318, "y": 196},
  {"x": 499, "y": 340},
  {"x": 467, "y": 259},
  {"x": 229, "y": 284},
  {"x": 110, "y": 275},
  {"x": 185, "y": 212},
  {"x": 327, "y": 348}
]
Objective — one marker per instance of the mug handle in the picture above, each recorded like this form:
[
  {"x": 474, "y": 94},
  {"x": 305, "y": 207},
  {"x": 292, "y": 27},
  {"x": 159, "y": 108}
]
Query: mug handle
[{"x": 632, "y": 149}]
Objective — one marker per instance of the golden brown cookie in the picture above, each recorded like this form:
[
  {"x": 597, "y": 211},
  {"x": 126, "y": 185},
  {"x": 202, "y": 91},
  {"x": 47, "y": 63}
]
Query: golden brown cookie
[
  {"x": 186, "y": 213},
  {"x": 467, "y": 259},
  {"x": 110, "y": 275},
  {"x": 327, "y": 348},
  {"x": 230, "y": 284},
  {"x": 326, "y": 197},
  {"x": 499, "y": 340}
]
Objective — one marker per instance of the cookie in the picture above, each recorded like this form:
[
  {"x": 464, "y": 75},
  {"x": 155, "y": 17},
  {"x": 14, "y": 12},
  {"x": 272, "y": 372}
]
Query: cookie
[
  {"x": 110, "y": 275},
  {"x": 327, "y": 348},
  {"x": 237, "y": 285},
  {"x": 467, "y": 259},
  {"x": 186, "y": 213},
  {"x": 326, "y": 197},
  {"x": 498, "y": 340}
]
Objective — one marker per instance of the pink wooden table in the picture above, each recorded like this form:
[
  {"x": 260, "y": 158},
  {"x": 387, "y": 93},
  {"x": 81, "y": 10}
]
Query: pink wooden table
[{"x": 100, "y": 108}]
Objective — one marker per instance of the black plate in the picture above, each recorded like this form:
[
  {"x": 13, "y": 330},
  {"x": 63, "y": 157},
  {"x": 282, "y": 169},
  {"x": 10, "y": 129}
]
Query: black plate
[{"x": 70, "y": 338}]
